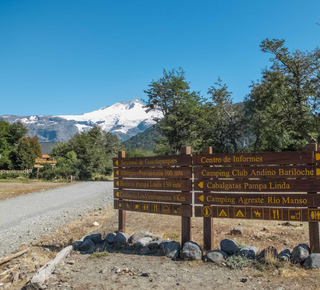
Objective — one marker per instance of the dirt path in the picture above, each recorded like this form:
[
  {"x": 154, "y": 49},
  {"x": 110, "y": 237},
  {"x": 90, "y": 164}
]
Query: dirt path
[{"x": 13, "y": 189}]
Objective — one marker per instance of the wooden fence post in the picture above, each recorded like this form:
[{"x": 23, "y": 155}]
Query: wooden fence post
[
  {"x": 186, "y": 221},
  {"x": 313, "y": 227},
  {"x": 122, "y": 213},
  {"x": 207, "y": 221}
]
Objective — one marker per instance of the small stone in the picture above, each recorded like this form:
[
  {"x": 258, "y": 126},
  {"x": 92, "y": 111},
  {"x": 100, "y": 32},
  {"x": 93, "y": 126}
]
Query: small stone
[
  {"x": 248, "y": 252},
  {"x": 155, "y": 243},
  {"x": 96, "y": 238},
  {"x": 284, "y": 255},
  {"x": 121, "y": 238},
  {"x": 136, "y": 237},
  {"x": 148, "y": 234},
  {"x": 110, "y": 238},
  {"x": 172, "y": 250},
  {"x": 300, "y": 253},
  {"x": 237, "y": 231},
  {"x": 86, "y": 245},
  {"x": 228, "y": 246},
  {"x": 191, "y": 251},
  {"x": 313, "y": 261},
  {"x": 145, "y": 275},
  {"x": 243, "y": 280},
  {"x": 144, "y": 251},
  {"x": 95, "y": 223},
  {"x": 215, "y": 256}
]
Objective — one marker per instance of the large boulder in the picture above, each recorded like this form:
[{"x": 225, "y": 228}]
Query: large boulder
[
  {"x": 144, "y": 251},
  {"x": 110, "y": 238},
  {"x": 313, "y": 261},
  {"x": 121, "y": 238},
  {"x": 229, "y": 246},
  {"x": 248, "y": 252},
  {"x": 300, "y": 253},
  {"x": 163, "y": 245},
  {"x": 136, "y": 237},
  {"x": 155, "y": 243},
  {"x": 191, "y": 251},
  {"x": 172, "y": 250},
  {"x": 215, "y": 256},
  {"x": 284, "y": 255}
]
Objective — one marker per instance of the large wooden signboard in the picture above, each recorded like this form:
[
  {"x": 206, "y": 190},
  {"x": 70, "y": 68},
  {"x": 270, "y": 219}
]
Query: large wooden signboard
[
  {"x": 263, "y": 186},
  {"x": 158, "y": 185}
]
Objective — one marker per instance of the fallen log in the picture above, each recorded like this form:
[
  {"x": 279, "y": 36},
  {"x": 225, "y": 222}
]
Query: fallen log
[{"x": 5, "y": 260}]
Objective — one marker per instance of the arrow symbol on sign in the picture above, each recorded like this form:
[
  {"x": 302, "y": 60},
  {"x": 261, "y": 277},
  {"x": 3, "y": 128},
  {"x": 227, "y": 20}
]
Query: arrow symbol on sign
[
  {"x": 201, "y": 184},
  {"x": 117, "y": 194},
  {"x": 201, "y": 198},
  {"x": 318, "y": 171},
  {"x": 117, "y": 172},
  {"x": 117, "y": 162},
  {"x": 317, "y": 156},
  {"x": 117, "y": 183}
]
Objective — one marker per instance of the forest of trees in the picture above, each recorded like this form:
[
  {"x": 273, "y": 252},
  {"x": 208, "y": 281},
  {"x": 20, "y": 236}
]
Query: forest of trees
[{"x": 281, "y": 113}]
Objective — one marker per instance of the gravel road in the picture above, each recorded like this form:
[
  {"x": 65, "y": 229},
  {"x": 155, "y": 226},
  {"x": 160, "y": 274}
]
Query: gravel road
[{"x": 24, "y": 218}]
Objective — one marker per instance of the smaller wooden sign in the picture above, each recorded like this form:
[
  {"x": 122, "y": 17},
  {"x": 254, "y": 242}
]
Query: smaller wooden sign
[
  {"x": 254, "y": 158},
  {"x": 157, "y": 196},
  {"x": 257, "y": 172},
  {"x": 258, "y": 199},
  {"x": 172, "y": 184},
  {"x": 278, "y": 185},
  {"x": 158, "y": 208},
  {"x": 180, "y": 172},
  {"x": 160, "y": 161},
  {"x": 261, "y": 213}
]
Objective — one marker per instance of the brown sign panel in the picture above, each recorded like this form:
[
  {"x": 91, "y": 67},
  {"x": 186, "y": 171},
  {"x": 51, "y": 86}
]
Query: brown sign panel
[
  {"x": 163, "y": 161},
  {"x": 158, "y": 196},
  {"x": 278, "y": 185},
  {"x": 258, "y": 200},
  {"x": 257, "y": 172},
  {"x": 254, "y": 158},
  {"x": 172, "y": 184},
  {"x": 276, "y": 214},
  {"x": 43, "y": 161},
  {"x": 181, "y": 172},
  {"x": 159, "y": 208}
]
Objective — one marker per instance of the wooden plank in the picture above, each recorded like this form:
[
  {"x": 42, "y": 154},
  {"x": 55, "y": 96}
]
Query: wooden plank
[
  {"x": 260, "y": 213},
  {"x": 163, "y": 161},
  {"x": 280, "y": 185},
  {"x": 254, "y": 158},
  {"x": 157, "y": 208},
  {"x": 258, "y": 172},
  {"x": 180, "y": 172},
  {"x": 258, "y": 199},
  {"x": 160, "y": 196},
  {"x": 173, "y": 184},
  {"x": 121, "y": 213}
]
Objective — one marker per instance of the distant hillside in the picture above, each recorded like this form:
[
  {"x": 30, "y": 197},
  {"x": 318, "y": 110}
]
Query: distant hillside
[{"x": 145, "y": 140}]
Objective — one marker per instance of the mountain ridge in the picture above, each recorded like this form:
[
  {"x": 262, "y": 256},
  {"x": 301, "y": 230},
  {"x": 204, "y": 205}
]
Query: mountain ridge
[{"x": 124, "y": 119}]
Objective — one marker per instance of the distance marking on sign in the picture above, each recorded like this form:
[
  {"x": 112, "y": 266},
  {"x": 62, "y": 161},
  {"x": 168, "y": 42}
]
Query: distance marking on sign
[
  {"x": 180, "y": 172},
  {"x": 172, "y": 184}
]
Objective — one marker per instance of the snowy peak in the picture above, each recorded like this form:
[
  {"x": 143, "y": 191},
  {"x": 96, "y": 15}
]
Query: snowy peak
[{"x": 125, "y": 119}]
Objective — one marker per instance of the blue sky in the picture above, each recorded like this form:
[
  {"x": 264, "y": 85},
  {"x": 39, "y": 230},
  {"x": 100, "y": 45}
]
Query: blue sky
[{"x": 71, "y": 57}]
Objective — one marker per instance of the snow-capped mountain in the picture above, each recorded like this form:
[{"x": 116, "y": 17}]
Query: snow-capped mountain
[{"x": 125, "y": 119}]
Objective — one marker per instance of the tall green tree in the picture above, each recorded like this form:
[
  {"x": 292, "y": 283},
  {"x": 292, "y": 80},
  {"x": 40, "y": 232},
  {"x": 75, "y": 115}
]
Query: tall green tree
[
  {"x": 28, "y": 148},
  {"x": 283, "y": 107},
  {"x": 225, "y": 126},
  {"x": 181, "y": 109}
]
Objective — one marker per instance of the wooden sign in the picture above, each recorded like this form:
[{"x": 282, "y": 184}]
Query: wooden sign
[
  {"x": 285, "y": 200},
  {"x": 43, "y": 161},
  {"x": 255, "y": 158},
  {"x": 160, "y": 161},
  {"x": 257, "y": 172},
  {"x": 181, "y": 172},
  {"x": 160, "y": 196},
  {"x": 38, "y": 166},
  {"x": 173, "y": 184},
  {"x": 157, "y": 208},
  {"x": 259, "y": 213},
  {"x": 279, "y": 185}
]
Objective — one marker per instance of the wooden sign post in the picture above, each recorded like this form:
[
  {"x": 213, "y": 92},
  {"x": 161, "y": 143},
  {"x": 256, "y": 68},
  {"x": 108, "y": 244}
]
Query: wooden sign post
[{"x": 158, "y": 185}]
